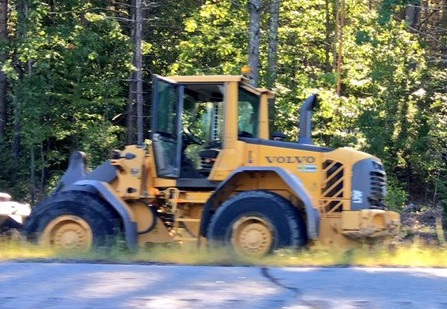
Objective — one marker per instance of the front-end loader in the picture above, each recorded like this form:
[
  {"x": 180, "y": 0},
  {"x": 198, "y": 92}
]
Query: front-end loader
[{"x": 211, "y": 173}]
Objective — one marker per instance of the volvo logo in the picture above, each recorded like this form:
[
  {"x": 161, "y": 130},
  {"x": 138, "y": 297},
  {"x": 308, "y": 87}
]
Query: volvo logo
[
  {"x": 290, "y": 159},
  {"x": 357, "y": 197}
]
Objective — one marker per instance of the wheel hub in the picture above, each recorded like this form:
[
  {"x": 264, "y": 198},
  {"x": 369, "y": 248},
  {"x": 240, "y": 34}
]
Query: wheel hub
[
  {"x": 252, "y": 236},
  {"x": 69, "y": 233}
]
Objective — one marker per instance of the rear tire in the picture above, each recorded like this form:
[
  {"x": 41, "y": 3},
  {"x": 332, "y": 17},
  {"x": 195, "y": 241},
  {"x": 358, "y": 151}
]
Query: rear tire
[
  {"x": 255, "y": 223},
  {"x": 73, "y": 220}
]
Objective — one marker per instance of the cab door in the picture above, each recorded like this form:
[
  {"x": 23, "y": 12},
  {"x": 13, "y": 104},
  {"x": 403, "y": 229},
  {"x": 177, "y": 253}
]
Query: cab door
[{"x": 167, "y": 98}]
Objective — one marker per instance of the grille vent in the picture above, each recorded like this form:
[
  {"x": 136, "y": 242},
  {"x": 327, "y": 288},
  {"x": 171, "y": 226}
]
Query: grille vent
[
  {"x": 332, "y": 189},
  {"x": 378, "y": 185}
]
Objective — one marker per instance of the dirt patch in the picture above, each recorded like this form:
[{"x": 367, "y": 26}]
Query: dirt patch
[{"x": 422, "y": 224}]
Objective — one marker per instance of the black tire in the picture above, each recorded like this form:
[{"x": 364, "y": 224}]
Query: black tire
[
  {"x": 90, "y": 209},
  {"x": 266, "y": 208}
]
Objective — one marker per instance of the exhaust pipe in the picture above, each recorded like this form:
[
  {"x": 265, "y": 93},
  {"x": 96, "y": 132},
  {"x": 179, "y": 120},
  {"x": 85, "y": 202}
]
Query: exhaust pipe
[{"x": 305, "y": 124}]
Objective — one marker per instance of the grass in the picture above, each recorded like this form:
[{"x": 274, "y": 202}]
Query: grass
[{"x": 408, "y": 255}]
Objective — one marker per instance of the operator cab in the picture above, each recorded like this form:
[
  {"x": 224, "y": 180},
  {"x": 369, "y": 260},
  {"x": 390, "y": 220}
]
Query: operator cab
[{"x": 189, "y": 127}]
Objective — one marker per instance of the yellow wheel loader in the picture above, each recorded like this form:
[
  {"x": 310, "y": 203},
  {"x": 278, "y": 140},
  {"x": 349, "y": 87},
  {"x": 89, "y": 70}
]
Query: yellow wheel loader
[{"x": 211, "y": 173}]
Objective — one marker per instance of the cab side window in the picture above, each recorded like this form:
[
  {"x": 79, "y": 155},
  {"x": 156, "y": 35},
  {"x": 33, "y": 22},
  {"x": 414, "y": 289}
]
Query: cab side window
[{"x": 248, "y": 111}]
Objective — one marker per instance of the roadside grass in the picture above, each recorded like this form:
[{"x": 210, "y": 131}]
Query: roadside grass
[
  {"x": 402, "y": 255},
  {"x": 13, "y": 249}
]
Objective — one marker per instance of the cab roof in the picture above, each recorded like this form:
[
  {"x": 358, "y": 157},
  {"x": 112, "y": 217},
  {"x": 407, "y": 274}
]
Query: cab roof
[
  {"x": 207, "y": 78},
  {"x": 217, "y": 79}
]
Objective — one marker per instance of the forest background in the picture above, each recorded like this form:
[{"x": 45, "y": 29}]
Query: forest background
[{"x": 68, "y": 78}]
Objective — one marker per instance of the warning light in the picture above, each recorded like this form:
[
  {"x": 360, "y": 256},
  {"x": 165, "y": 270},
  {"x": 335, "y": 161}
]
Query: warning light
[{"x": 246, "y": 69}]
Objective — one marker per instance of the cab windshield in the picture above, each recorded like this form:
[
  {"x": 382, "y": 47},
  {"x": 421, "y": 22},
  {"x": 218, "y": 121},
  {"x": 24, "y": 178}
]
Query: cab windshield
[{"x": 188, "y": 128}]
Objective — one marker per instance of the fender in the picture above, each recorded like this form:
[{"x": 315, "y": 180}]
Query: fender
[
  {"x": 77, "y": 171},
  {"x": 295, "y": 184},
  {"x": 106, "y": 191}
]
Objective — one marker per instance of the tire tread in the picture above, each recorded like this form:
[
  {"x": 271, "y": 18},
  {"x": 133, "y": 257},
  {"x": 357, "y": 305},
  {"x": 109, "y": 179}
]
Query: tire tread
[
  {"x": 292, "y": 215},
  {"x": 94, "y": 208}
]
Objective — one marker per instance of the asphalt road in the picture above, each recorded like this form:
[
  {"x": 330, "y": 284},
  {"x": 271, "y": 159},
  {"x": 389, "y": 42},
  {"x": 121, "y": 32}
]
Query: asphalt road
[{"x": 78, "y": 285}]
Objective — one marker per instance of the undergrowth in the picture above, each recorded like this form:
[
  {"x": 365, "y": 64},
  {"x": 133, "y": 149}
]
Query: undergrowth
[{"x": 405, "y": 255}]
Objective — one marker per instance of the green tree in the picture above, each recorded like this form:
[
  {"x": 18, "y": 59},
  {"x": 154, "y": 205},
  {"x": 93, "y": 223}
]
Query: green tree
[
  {"x": 217, "y": 41},
  {"x": 72, "y": 62}
]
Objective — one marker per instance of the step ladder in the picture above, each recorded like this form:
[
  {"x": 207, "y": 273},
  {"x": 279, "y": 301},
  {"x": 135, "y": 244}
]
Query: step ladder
[{"x": 181, "y": 231}]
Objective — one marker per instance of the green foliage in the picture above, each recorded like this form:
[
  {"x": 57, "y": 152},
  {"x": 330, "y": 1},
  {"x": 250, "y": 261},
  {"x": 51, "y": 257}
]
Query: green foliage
[
  {"x": 396, "y": 196},
  {"x": 391, "y": 120},
  {"x": 68, "y": 65},
  {"x": 442, "y": 187},
  {"x": 99, "y": 139},
  {"x": 387, "y": 8},
  {"x": 392, "y": 102},
  {"x": 68, "y": 82},
  {"x": 216, "y": 42}
]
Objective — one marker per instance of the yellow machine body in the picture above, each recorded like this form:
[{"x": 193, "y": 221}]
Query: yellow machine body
[
  {"x": 209, "y": 145},
  {"x": 339, "y": 224}
]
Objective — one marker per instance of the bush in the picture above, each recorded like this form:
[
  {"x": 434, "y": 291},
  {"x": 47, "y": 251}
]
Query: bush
[{"x": 396, "y": 196}]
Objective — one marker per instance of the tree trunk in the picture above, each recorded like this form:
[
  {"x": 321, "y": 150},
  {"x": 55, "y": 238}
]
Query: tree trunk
[
  {"x": 412, "y": 15},
  {"x": 139, "y": 68},
  {"x": 443, "y": 25},
  {"x": 272, "y": 43},
  {"x": 32, "y": 176},
  {"x": 3, "y": 59},
  {"x": 327, "y": 46},
  {"x": 130, "y": 110},
  {"x": 22, "y": 16},
  {"x": 334, "y": 45},
  {"x": 341, "y": 24},
  {"x": 254, "y": 8},
  {"x": 42, "y": 173},
  {"x": 272, "y": 56}
]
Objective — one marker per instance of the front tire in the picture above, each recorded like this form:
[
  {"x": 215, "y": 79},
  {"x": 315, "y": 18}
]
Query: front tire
[
  {"x": 255, "y": 223},
  {"x": 72, "y": 220}
]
